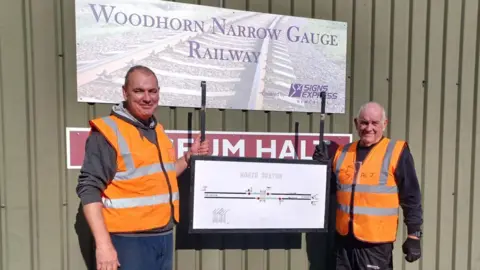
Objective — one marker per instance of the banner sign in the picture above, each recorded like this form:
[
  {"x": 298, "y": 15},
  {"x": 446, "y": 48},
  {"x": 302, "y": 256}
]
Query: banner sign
[
  {"x": 249, "y": 60},
  {"x": 224, "y": 143}
]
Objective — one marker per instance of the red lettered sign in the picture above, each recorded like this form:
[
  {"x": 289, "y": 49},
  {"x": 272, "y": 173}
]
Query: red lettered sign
[{"x": 225, "y": 143}]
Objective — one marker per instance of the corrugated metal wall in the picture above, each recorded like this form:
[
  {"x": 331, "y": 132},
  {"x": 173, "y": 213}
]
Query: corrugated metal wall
[{"x": 419, "y": 58}]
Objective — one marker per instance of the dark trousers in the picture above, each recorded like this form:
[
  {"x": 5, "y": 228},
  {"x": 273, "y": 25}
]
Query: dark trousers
[
  {"x": 353, "y": 254},
  {"x": 144, "y": 252}
]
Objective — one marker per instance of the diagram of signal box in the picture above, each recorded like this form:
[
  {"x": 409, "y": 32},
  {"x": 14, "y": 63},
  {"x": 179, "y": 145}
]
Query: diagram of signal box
[{"x": 262, "y": 195}]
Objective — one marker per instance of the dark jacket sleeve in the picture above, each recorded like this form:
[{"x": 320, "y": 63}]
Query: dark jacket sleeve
[
  {"x": 409, "y": 191},
  {"x": 99, "y": 167}
]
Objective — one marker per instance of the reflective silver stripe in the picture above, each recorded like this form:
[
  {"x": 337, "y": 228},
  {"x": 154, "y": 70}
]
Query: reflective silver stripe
[
  {"x": 131, "y": 171},
  {"x": 341, "y": 158},
  {"x": 142, "y": 171},
  {"x": 369, "y": 210},
  {"x": 368, "y": 188},
  {"x": 141, "y": 201},
  {"x": 122, "y": 144},
  {"x": 386, "y": 163}
]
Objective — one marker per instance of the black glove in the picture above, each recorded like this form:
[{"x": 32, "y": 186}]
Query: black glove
[
  {"x": 321, "y": 152},
  {"x": 412, "y": 249}
]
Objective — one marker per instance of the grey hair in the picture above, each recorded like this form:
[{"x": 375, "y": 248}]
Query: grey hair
[{"x": 364, "y": 106}]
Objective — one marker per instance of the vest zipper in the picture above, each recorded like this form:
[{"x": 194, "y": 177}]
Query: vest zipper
[
  {"x": 358, "y": 166},
  {"x": 166, "y": 177}
]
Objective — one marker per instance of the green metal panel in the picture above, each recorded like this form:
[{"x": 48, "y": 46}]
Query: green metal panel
[{"x": 418, "y": 58}]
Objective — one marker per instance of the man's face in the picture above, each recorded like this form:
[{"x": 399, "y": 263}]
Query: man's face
[
  {"x": 141, "y": 94},
  {"x": 370, "y": 126}
]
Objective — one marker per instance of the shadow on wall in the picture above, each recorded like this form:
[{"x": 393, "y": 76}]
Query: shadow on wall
[
  {"x": 321, "y": 246},
  {"x": 85, "y": 239}
]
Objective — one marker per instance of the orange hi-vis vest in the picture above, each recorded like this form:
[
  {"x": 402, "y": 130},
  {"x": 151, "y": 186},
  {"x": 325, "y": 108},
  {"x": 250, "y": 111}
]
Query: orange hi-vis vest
[
  {"x": 372, "y": 187},
  {"x": 144, "y": 191}
]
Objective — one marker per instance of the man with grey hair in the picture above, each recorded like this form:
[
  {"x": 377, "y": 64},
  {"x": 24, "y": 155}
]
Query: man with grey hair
[{"x": 373, "y": 176}]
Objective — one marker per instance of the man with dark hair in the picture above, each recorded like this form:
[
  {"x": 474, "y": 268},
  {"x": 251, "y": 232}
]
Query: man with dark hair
[
  {"x": 373, "y": 176},
  {"x": 128, "y": 181}
]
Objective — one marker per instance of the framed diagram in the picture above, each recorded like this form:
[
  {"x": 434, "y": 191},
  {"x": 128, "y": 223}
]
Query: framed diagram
[{"x": 239, "y": 195}]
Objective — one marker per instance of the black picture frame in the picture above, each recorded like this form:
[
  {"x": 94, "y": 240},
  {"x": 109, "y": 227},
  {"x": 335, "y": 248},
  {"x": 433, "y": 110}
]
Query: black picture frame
[{"x": 193, "y": 160}]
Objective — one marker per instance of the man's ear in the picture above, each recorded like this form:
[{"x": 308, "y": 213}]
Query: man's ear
[{"x": 124, "y": 91}]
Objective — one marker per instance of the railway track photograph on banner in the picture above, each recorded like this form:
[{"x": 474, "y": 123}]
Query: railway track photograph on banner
[{"x": 249, "y": 60}]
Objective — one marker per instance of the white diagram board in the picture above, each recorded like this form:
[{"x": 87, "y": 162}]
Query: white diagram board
[{"x": 247, "y": 194}]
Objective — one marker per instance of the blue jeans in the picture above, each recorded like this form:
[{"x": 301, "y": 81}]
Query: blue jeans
[{"x": 144, "y": 252}]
